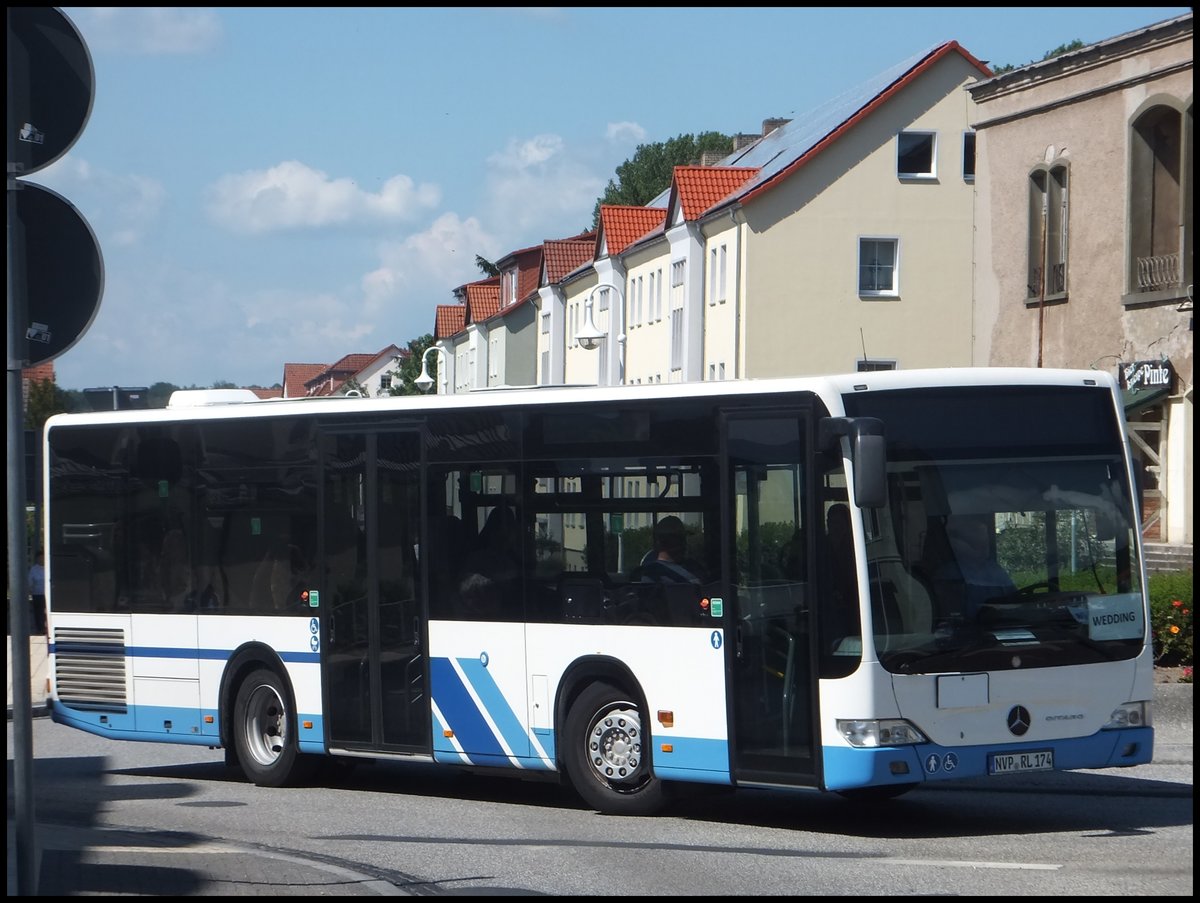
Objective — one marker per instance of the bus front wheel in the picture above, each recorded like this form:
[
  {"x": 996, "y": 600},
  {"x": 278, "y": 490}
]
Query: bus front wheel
[
  {"x": 264, "y": 730},
  {"x": 607, "y": 753}
]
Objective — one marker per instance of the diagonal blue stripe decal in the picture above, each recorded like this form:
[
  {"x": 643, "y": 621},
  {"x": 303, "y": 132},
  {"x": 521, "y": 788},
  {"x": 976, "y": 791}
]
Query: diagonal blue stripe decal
[
  {"x": 457, "y": 707},
  {"x": 506, "y": 720}
]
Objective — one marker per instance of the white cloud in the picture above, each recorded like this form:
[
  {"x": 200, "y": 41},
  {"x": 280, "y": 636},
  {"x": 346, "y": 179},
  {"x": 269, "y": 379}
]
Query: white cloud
[
  {"x": 538, "y": 190},
  {"x": 292, "y": 195},
  {"x": 422, "y": 270},
  {"x": 625, "y": 133},
  {"x": 153, "y": 31}
]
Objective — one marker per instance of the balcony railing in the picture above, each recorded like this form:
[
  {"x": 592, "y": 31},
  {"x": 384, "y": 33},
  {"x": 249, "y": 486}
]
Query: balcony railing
[
  {"x": 1158, "y": 272},
  {"x": 1055, "y": 285}
]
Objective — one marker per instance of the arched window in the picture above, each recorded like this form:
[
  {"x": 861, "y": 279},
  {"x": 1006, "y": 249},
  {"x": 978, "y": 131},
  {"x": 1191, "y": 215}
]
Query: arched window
[
  {"x": 1048, "y": 206},
  {"x": 1160, "y": 204}
]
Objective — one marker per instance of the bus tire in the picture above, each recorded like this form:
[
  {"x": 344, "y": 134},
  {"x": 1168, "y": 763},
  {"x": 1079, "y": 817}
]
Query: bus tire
[
  {"x": 607, "y": 753},
  {"x": 264, "y": 730}
]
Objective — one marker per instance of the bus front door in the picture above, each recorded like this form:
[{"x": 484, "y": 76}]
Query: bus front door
[
  {"x": 770, "y": 660},
  {"x": 374, "y": 661}
]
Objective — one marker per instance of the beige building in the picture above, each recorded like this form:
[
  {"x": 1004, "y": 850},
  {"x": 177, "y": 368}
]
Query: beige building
[{"x": 1083, "y": 237}]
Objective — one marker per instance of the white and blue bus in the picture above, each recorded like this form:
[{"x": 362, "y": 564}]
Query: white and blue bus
[{"x": 462, "y": 580}]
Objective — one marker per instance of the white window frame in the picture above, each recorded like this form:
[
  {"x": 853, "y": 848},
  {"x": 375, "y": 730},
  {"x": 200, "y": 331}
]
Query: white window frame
[
  {"x": 917, "y": 176},
  {"x": 712, "y": 277},
  {"x": 721, "y": 283},
  {"x": 894, "y": 291}
]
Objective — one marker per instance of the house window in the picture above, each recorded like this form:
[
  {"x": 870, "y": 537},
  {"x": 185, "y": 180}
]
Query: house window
[
  {"x": 868, "y": 365},
  {"x": 916, "y": 155},
  {"x": 677, "y": 339},
  {"x": 721, "y": 279},
  {"x": 677, "y": 273},
  {"x": 878, "y": 259},
  {"x": 712, "y": 277},
  {"x": 1160, "y": 198},
  {"x": 658, "y": 299},
  {"x": 509, "y": 288},
  {"x": 546, "y": 323},
  {"x": 968, "y": 156},
  {"x": 385, "y": 381},
  {"x": 1047, "y": 269}
]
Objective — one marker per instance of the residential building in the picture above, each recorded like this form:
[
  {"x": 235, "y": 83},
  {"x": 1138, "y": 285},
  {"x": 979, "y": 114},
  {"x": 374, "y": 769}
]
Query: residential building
[
  {"x": 838, "y": 240},
  {"x": 1083, "y": 237},
  {"x": 364, "y": 374},
  {"x": 560, "y": 257}
]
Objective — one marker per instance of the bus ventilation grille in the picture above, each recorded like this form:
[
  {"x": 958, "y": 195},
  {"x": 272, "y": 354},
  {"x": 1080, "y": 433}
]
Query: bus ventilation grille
[{"x": 89, "y": 668}]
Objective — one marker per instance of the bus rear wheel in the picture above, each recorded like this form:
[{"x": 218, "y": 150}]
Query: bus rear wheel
[
  {"x": 607, "y": 753},
  {"x": 264, "y": 730}
]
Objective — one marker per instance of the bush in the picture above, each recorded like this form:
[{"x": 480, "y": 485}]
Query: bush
[{"x": 1171, "y": 617}]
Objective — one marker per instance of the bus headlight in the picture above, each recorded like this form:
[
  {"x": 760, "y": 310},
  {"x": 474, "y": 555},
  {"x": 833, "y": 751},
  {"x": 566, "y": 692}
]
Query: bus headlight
[
  {"x": 1130, "y": 714},
  {"x": 880, "y": 732}
]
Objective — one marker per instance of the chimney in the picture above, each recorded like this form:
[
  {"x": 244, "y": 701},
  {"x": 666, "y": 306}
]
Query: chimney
[
  {"x": 743, "y": 140},
  {"x": 770, "y": 125},
  {"x": 711, "y": 158}
]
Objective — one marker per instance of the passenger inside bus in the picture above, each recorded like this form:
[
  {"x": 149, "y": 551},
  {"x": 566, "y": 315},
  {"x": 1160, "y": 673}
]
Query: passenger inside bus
[
  {"x": 974, "y": 574},
  {"x": 492, "y": 572},
  {"x": 667, "y": 564}
]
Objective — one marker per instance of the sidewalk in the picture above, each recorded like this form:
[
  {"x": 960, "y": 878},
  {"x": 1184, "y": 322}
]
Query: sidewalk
[{"x": 80, "y": 861}]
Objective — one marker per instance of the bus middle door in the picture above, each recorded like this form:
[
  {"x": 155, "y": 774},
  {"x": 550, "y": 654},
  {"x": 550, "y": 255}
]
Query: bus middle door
[{"x": 374, "y": 661}]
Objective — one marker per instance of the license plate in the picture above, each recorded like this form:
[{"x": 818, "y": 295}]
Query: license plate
[{"x": 1015, "y": 763}]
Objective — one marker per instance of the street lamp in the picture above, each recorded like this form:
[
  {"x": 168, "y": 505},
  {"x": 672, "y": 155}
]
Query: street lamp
[
  {"x": 589, "y": 335},
  {"x": 424, "y": 382}
]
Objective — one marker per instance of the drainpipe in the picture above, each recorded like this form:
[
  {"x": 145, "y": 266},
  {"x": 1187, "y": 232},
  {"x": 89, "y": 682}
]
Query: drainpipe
[{"x": 737, "y": 295}]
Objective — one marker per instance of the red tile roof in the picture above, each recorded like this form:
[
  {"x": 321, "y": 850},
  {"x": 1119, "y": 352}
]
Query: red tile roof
[
  {"x": 450, "y": 319},
  {"x": 266, "y": 393},
  {"x": 621, "y": 226},
  {"x": 331, "y": 378},
  {"x": 696, "y": 188},
  {"x": 566, "y": 254},
  {"x": 483, "y": 300},
  {"x": 295, "y": 376}
]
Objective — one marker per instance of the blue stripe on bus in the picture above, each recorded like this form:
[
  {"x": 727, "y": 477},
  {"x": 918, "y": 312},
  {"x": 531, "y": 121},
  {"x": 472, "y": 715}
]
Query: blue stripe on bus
[
  {"x": 511, "y": 729},
  {"x": 692, "y": 759},
  {"x": 174, "y": 652},
  {"x": 136, "y": 721},
  {"x": 457, "y": 707},
  {"x": 847, "y": 768}
]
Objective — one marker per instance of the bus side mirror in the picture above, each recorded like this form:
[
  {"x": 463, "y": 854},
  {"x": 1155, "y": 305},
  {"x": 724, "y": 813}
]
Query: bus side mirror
[{"x": 868, "y": 455}]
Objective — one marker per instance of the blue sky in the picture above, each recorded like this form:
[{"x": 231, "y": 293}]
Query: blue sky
[{"x": 299, "y": 184}]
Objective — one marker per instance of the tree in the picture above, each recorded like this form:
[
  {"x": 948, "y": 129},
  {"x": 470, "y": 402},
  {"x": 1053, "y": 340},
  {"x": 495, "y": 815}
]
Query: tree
[
  {"x": 404, "y": 376},
  {"x": 45, "y": 399},
  {"x": 486, "y": 266},
  {"x": 1049, "y": 55},
  {"x": 160, "y": 394},
  {"x": 648, "y": 172}
]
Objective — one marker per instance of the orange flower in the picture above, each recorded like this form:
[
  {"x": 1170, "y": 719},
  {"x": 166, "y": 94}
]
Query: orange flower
[{"x": 1174, "y": 628}]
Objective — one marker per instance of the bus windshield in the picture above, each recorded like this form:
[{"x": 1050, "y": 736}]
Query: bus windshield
[{"x": 1008, "y": 540}]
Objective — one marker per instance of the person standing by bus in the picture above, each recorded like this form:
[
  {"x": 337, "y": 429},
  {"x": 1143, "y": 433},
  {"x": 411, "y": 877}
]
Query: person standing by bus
[{"x": 37, "y": 595}]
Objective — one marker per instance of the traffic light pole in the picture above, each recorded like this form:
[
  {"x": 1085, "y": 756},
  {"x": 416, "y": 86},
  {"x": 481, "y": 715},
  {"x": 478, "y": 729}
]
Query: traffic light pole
[{"x": 18, "y": 575}]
